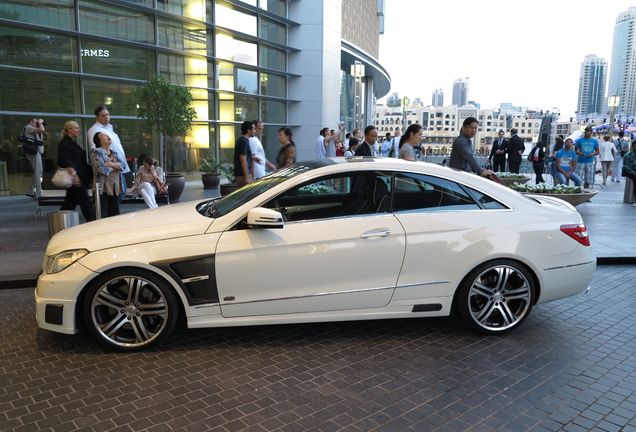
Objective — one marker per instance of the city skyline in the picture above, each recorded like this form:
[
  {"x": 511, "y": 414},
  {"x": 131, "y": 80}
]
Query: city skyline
[{"x": 529, "y": 60}]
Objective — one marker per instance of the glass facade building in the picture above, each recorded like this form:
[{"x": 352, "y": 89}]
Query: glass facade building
[{"x": 61, "y": 58}]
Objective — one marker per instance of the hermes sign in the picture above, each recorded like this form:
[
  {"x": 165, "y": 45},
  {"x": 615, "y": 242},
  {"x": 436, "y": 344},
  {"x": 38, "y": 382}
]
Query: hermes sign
[{"x": 95, "y": 53}]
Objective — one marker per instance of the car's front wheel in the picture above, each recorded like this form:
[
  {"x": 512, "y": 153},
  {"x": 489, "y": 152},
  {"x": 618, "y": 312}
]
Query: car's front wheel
[
  {"x": 496, "y": 296},
  {"x": 130, "y": 309}
]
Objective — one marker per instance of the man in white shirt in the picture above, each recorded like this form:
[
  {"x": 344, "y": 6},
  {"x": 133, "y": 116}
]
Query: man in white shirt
[
  {"x": 260, "y": 162},
  {"x": 396, "y": 143},
  {"x": 102, "y": 124},
  {"x": 321, "y": 148}
]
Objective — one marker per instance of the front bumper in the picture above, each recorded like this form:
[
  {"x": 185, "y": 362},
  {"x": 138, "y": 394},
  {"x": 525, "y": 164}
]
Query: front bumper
[{"x": 56, "y": 298}]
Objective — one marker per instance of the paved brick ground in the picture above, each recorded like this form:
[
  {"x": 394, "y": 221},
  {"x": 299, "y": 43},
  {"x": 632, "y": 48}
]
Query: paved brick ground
[{"x": 572, "y": 367}]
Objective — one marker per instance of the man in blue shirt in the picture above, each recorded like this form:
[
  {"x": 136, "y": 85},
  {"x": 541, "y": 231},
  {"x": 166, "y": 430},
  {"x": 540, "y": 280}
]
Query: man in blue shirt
[
  {"x": 587, "y": 148},
  {"x": 566, "y": 164}
]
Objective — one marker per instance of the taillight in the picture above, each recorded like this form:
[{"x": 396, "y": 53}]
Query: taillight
[{"x": 577, "y": 232}]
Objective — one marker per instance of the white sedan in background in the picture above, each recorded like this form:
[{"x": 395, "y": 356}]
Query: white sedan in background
[{"x": 329, "y": 240}]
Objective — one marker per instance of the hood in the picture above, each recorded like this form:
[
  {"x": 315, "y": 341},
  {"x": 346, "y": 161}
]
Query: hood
[{"x": 175, "y": 220}]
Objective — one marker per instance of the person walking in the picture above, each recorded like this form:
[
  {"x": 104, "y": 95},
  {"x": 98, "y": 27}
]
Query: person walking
[
  {"x": 566, "y": 164},
  {"x": 515, "y": 151},
  {"x": 622, "y": 148},
  {"x": 462, "y": 155},
  {"x": 72, "y": 156},
  {"x": 537, "y": 157},
  {"x": 367, "y": 147},
  {"x": 586, "y": 148},
  {"x": 558, "y": 145},
  {"x": 607, "y": 154},
  {"x": 35, "y": 130},
  {"x": 103, "y": 124},
  {"x": 412, "y": 137},
  {"x": 498, "y": 151},
  {"x": 243, "y": 169}
]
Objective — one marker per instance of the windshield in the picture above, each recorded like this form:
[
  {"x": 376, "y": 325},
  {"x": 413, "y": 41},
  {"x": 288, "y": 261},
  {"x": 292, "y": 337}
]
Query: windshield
[{"x": 218, "y": 207}]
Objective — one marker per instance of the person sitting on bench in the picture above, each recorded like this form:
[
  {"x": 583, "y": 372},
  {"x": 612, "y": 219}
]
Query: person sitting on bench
[{"x": 148, "y": 183}]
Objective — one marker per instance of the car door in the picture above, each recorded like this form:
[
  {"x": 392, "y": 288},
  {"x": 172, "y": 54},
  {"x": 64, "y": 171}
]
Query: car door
[
  {"x": 340, "y": 249},
  {"x": 445, "y": 225}
]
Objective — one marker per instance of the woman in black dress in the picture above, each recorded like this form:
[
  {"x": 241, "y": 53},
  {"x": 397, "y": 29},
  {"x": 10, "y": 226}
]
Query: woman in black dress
[{"x": 73, "y": 157}]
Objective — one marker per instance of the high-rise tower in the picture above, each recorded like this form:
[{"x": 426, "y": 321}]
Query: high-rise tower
[
  {"x": 438, "y": 98},
  {"x": 460, "y": 91},
  {"x": 592, "y": 86},
  {"x": 622, "y": 78}
]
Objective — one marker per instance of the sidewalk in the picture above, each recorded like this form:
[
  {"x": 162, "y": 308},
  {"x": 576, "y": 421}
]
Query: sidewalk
[{"x": 24, "y": 237}]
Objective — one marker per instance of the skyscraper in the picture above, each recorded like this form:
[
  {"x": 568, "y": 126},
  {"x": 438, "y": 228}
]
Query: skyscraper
[
  {"x": 438, "y": 98},
  {"x": 622, "y": 79},
  {"x": 460, "y": 91},
  {"x": 592, "y": 86}
]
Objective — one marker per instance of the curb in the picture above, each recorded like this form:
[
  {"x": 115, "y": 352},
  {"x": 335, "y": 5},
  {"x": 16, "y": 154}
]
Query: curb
[{"x": 31, "y": 283}]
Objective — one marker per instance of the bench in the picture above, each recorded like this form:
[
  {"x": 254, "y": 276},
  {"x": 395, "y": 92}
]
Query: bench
[{"x": 54, "y": 196}]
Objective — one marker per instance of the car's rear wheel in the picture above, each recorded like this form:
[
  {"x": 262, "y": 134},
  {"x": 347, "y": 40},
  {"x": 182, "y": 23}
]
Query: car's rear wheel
[
  {"x": 130, "y": 309},
  {"x": 496, "y": 296}
]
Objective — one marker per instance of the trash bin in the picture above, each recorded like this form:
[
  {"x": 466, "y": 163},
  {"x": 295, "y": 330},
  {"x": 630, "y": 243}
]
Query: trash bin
[
  {"x": 61, "y": 220},
  {"x": 628, "y": 196}
]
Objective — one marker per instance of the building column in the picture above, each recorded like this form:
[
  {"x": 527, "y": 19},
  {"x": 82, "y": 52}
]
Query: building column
[{"x": 317, "y": 88}]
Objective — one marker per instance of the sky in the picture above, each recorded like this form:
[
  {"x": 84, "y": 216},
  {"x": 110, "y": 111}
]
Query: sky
[{"x": 527, "y": 53}]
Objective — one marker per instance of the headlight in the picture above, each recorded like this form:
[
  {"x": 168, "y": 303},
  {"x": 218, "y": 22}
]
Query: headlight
[{"x": 59, "y": 262}]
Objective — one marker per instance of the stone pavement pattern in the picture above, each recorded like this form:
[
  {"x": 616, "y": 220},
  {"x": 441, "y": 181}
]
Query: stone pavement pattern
[{"x": 571, "y": 366}]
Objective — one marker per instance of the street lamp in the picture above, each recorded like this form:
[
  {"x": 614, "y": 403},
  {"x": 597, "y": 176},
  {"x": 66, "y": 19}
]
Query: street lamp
[{"x": 613, "y": 102}]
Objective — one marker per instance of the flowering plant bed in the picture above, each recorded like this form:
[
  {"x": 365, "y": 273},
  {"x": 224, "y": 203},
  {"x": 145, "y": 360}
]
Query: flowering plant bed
[
  {"x": 575, "y": 195},
  {"x": 508, "y": 178}
]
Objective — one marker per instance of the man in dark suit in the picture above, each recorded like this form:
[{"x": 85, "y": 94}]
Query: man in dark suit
[
  {"x": 367, "y": 148},
  {"x": 498, "y": 153},
  {"x": 515, "y": 151}
]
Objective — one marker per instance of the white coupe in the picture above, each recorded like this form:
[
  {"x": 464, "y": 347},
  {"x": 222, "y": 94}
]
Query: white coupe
[{"x": 329, "y": 240}]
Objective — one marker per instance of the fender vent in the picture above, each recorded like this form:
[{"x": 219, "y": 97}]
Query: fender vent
[{"x": 431, "y": 307}]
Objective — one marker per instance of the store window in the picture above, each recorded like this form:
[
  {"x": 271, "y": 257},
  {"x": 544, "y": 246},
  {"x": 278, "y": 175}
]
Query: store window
[
  {"x": 194, "y": 9},
  {"x": 121, "y": 61},
  {"x": 273, "y": 31},
  {"x": 52, "y": 13},
  {"x": 117, "y": 96},
  {"x": 236, "y": 50},
  {"x": 35, "y": 92},
  {"x": 237, "y": 108},
  {"x": 182, "y": 36},
  {"x": 273, "y": 111},
  {"x": 278, "y": 7},
  {"x": 232, "y": 19},
  {"x": 273, "y": 85},
  {"x": 272, "y": 58},
  {"x": 232, "y": 78},
  {"x": 27, "y": 48},
  {"x": 115, "y": 22}
]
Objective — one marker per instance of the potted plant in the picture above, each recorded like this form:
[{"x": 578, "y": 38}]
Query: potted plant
[
  {"x": 167, "y": 109},
  {"x": 227, "y": 188},
  {"x": 211, "y": 172},
  {"x": 508, "y": 178},
  {"x": 575, "y": 195}
]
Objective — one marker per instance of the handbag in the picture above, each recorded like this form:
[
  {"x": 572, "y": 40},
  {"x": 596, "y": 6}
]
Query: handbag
[
  {"x": 29, "y": 145},
  {"x": 62, "y": 178}
]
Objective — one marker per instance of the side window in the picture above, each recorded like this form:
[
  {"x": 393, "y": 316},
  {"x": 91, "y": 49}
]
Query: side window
[
  {"x": 335, "y": 196},
  {"x": 486, "y": 201},
  {"x": 418, "y": 191}
]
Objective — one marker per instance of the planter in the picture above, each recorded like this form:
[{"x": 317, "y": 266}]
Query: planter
[
  {"x": 210, "y": 180},
  {"x": 508, "y": 181},
  {"x": 572, "y": 198},
  {"x": 176, "y": 184},
  {"x": 227, "y": 188}
]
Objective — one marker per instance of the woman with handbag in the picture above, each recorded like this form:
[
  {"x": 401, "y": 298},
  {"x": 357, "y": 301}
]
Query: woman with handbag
[
  {"x": 72, "y": 157},
  {"x": 34, "y": 132},
  {"x": 537, "y": 157},
  {"x": 108, "y": 166},
  {"x": 147, "y": 183}
]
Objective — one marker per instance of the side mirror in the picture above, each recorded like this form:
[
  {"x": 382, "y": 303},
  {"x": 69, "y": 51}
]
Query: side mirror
[{"x": 261, "y": 217}]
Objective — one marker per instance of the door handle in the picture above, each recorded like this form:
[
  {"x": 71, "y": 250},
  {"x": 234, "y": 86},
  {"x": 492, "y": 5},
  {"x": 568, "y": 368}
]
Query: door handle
[{"x": 375, "y": 233}]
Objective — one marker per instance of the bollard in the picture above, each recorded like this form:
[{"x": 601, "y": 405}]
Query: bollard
[
  {"x": 61, "y": 220},
  {"x": 96, "y": 197},
  {"x": 628, "y": 196}
]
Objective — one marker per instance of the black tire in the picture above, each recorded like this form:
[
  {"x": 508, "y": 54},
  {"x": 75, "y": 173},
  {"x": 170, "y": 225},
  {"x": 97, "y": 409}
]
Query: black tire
[
  {"x": 130, "y": 309},
  {"x": 496, "y": 297}
]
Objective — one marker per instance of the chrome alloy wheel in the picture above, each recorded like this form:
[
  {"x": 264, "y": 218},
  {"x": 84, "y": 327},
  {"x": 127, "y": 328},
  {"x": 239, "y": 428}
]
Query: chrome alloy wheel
[
  {"x": 129, "y": 311},
  {"x": 499, "y": 298}
]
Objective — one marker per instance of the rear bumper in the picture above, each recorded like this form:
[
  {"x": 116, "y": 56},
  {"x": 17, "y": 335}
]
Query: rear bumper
[{"x": 566, "y": 280}]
